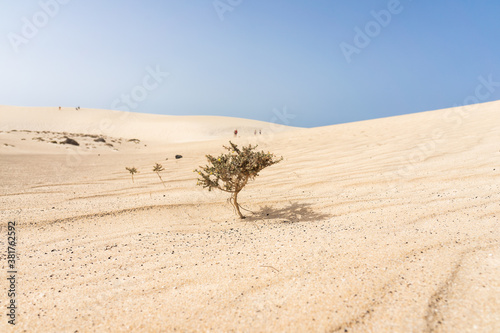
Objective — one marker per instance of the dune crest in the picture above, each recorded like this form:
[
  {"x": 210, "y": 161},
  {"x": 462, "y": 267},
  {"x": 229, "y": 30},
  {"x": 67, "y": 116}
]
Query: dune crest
[{"x": 146, "y": 127}]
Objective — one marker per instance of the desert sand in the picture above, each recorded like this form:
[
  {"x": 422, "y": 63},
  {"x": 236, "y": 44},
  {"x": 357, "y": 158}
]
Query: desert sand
[{"x": 387, "y": 225}]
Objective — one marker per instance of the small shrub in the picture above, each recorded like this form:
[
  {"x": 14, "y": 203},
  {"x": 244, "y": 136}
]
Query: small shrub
[
  {"x": 132, "y": 171},
  {"x": 232, "y": 171},
  {"x": 158, "y": 168}
]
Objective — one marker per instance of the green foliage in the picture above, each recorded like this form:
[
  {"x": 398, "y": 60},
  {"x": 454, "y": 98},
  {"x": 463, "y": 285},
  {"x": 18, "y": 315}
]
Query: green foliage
[
  {"x": 230, "y": 172},
  {"x": 158, "y": 168},
  {"x": 132, "y": 171}
]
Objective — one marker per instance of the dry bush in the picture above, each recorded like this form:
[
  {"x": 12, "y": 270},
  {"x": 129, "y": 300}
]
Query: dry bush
[
  {"x": 230, "y": 172},
  {"x": 158, "y": 168},
  {"x": 132, "y": 171}
]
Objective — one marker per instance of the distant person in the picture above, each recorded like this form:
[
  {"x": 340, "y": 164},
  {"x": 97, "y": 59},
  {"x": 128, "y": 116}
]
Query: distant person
[
  {"x": 59, "y": 108},
  {"x": 235, "y": 133},
  {"x": 255, "y": 132},
  {"x": 260, "y": 132}
]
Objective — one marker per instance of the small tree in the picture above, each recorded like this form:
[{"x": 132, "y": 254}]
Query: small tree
[
  {"x": 132, "y": 171},
  {"x": 158, "y": 168},
  {"x": 231, "y": 172}
]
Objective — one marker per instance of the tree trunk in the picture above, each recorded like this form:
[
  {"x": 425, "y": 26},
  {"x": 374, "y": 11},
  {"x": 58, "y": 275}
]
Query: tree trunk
[
  {"x": 235, "y": 203},
  {"x": 161, "y": 180}
]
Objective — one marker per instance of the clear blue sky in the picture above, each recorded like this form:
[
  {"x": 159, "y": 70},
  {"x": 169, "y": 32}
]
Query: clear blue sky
[{"x": 248, "y": 58}]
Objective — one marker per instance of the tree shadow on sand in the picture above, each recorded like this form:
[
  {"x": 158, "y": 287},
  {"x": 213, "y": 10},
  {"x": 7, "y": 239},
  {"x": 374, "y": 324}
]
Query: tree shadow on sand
[{"x": 294, "y": 212}]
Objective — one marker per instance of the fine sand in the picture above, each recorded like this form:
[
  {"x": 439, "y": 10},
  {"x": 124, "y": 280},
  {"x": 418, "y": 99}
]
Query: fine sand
[{"x": 388, "y": 225}]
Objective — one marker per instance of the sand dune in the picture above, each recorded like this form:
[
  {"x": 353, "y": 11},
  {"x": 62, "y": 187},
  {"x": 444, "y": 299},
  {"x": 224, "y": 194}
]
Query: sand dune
[
  {"x": 146, "y": 127},
  {"x": 382, "y": 225}
]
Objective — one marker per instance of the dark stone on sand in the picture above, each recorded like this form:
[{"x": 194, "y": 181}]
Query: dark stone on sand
[
  {"x": 178, "y": 156},
  {"x": 100, "y": 140},
  {"x": 70, "y": 141}
]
